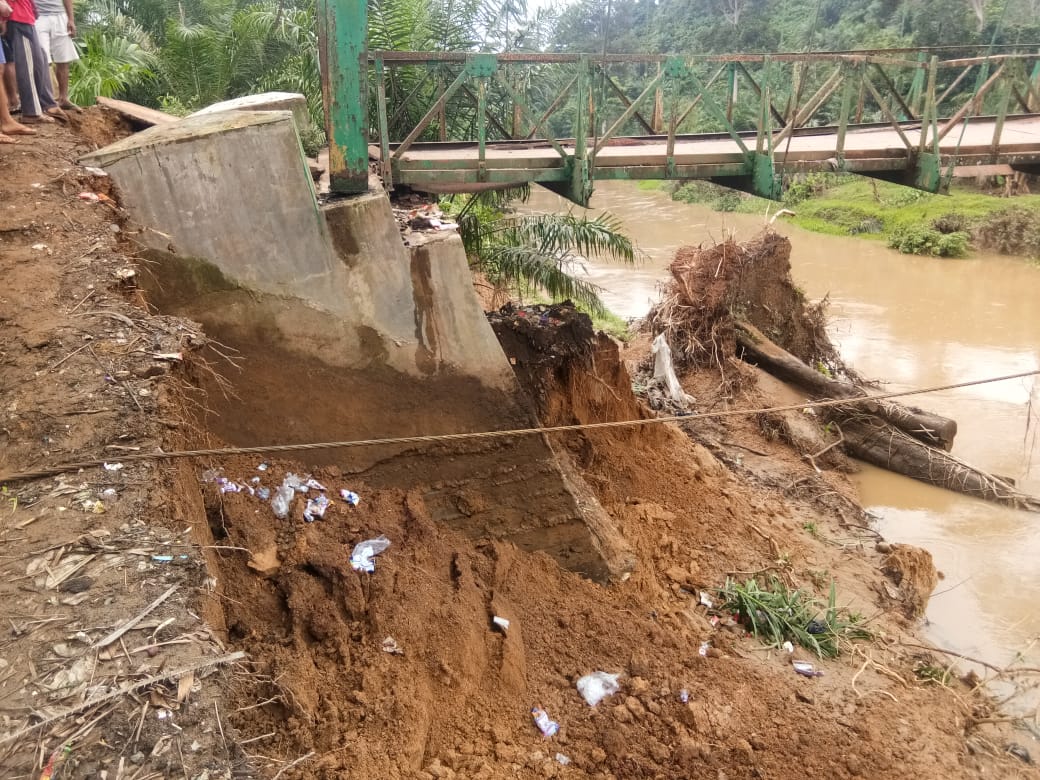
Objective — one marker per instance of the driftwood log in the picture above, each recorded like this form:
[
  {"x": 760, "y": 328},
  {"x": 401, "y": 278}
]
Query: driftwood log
[
  {"x": 758, "y": 349},
  {"x": 902, "y": 439}
]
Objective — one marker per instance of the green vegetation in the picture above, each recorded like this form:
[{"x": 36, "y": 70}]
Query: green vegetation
[
  {"x": 909, "y": 220},
  {"x": 777, "y": 614},
  {"x": 530, "y": 253}
]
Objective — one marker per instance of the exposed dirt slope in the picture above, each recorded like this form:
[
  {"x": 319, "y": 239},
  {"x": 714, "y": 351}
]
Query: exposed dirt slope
[{"x": 318, "y": 684}]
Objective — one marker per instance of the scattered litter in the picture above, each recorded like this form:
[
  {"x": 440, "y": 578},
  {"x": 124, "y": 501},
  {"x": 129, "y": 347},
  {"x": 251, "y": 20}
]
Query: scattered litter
[
  {"x": 169, "y": 558},
  {"x": 90, "y": 197},
  {"x": 174, "y": 356},
  {"x": 350, "y": 497},
  {"x": 95, "y": 171},
  {"x": 109, "y": 492},
  {"x": 255, "y": 481},
  {"x": 361, "y": 559},
  {"x": 806, "y": 669},
  {"x": 715, "y": 620},
  {"x": 390, "y": 646},
  {"x": 94, "y": 506},
  {"x": 562, "y": 760},
  {"x": 227, "y": 486},
  {"x": 684, "y": 696},
  {"x": 705, "y": 600},
  {"x": 113, "y": 466},
  {"x": 164, "y": 714},
  {"x": 316, "y": 508},
  {"x": 294, "y": 482},
  {"x": 816, "y": 627},
  {"x": 597, "y": 686},
  {"x": 263, "y": 493},
  {"x": 281, "y": 502},
  {"x": 262, "y": 467},
  {"x": 703, "y": 650},
  {"x": 123, "y": 274},
  {"x": 56, "y": 760},
  {"x": 788, "y": 647},
  {"x": 39, "y": 247},
  {"x": 1019, "y": 752},
  {"x": 545, "y": 724},
  {"x": 501, "y": 622},
  {"x": 313, "y": 483},
  {"x": 664, "y": 372}
]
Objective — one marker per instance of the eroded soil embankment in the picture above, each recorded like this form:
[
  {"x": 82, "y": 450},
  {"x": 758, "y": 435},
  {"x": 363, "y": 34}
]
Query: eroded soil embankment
[{"x": 455, "y": 701}]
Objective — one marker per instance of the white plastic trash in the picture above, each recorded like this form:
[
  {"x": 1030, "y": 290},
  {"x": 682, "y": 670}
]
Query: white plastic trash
[
  {"x": 597, "y": 686},
  {"x": 665, "y": 372},
  {"x": 362, "y": 558}
]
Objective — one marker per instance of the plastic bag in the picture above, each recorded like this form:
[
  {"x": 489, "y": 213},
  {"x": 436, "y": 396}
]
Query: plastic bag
[
  {"x": 362, "y": 558},
  {"x": 665, "y": 372},
  {"x": 281, "y": 501},
  {"x": 597, "y": 686}
]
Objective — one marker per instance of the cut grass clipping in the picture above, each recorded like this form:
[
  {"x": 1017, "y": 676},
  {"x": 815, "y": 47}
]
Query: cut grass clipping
[{"x": 777, "y": 614}]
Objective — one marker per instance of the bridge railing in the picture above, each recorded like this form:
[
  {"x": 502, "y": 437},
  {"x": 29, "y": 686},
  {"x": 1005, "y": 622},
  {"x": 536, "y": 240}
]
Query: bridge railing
[{"x": 582, "y": 106}]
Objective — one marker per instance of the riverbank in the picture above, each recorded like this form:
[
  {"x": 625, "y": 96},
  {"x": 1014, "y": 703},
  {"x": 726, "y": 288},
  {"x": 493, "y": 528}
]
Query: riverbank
[
  {"x": 401, "y": 672},
  {"x": 965, "y": 221}
]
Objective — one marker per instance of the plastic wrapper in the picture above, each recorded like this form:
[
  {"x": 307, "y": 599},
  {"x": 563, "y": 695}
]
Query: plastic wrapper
[
  {"x": 545, "y": 724},
  {"x": 363, "y": 556},
  {"x": 316, "y": 508},
  {"x": 597, "y": 686}
]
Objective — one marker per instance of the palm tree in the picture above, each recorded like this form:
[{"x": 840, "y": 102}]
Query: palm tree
[{"x": 539, "y": 252}]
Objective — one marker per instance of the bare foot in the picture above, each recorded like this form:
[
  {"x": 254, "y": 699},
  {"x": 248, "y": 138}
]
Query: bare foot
[
  {"x": 6, "y": 139},
  {"x": 68, "y": 105},
  {"x": 58, "y": 114},
  {"x": 14, "y": 128}
]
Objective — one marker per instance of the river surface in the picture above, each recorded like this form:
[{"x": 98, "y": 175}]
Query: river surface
[{"x": 908, "y": 322}]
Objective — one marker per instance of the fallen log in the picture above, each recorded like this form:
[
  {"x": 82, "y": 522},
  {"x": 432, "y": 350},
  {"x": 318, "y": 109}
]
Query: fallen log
[
  {"x": 756, "y": 348},
  {"x": 887, "y": 447},
  {"x": 901, "y": 439}
]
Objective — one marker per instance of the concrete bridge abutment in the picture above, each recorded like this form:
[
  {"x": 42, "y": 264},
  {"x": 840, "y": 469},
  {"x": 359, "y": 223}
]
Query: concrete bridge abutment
[{"x": 346, "y": 333}]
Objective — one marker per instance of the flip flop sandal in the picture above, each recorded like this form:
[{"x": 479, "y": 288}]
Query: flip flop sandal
[
  {"x": 68, "y": 105},
  {"x": 57, "y": 113},
  {"x": 36, "y": 120}
]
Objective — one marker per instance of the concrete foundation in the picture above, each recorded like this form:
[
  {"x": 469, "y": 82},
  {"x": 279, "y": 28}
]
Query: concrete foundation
[
  {"x": 346, "y": 332},
  {"x": 293, "y": 102}
]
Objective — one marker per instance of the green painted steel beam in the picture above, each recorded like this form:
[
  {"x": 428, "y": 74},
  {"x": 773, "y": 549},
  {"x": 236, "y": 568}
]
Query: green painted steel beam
[{"x": 342, "y": 28}]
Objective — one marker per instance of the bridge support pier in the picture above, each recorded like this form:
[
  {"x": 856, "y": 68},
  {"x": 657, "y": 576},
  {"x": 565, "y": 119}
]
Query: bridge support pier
[{"x": 342, "y": 30}]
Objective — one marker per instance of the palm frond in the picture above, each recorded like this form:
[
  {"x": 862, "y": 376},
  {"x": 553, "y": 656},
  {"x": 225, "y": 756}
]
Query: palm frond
[
  {"x": 567, "y": 233},
  {"x": 529, "y": 269}
]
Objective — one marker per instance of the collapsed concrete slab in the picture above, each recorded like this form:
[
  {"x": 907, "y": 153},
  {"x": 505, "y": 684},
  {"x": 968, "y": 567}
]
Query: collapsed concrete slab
[
  {"x": 346, "y": 333},
  {"x": 293, "y": 102}
]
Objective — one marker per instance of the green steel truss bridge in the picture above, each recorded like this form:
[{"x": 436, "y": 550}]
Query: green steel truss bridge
[{"x": 466, "y": 122}]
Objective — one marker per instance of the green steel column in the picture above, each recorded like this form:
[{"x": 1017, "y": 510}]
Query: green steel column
[{"x": 342, "y": 29}]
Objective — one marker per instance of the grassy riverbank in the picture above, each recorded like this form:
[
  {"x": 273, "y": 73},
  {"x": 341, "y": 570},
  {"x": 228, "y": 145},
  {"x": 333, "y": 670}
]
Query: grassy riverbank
[{"x": 909, "y": 220}]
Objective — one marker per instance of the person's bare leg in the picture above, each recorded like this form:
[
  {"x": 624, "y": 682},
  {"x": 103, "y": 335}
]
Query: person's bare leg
[
  {"x": 10, "y": 84},
  {"x": 8, "y": 126},
  {"x": 61, "y": 75}
]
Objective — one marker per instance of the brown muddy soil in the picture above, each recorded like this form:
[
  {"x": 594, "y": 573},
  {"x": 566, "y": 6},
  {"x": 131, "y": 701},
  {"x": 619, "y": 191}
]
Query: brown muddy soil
[{"x": 317, "y": 686}]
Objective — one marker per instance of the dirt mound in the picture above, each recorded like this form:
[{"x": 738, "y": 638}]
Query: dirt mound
[
  {"x": 912, "y": 570},
  {"x": 752, "y": 280}
]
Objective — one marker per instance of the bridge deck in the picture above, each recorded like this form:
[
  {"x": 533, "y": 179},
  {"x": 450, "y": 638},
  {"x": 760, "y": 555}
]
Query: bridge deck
[{"x": 455, "y": 166}]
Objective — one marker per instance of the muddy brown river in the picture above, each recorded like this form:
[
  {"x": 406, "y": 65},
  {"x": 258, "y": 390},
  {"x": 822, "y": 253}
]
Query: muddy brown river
[{"x": 909, "y": 322}]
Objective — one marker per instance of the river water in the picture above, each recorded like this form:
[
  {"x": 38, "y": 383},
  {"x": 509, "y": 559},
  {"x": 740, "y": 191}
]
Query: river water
[{"x": 909, "y": 322}]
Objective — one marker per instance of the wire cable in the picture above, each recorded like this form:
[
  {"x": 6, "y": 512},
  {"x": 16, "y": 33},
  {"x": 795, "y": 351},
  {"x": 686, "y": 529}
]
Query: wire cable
[{"x": 444, "y": 437}]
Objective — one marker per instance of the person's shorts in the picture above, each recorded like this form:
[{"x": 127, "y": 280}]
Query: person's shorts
[
  {"x": 52, "y": 30},
  {"x": 5, "y": 50}
]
